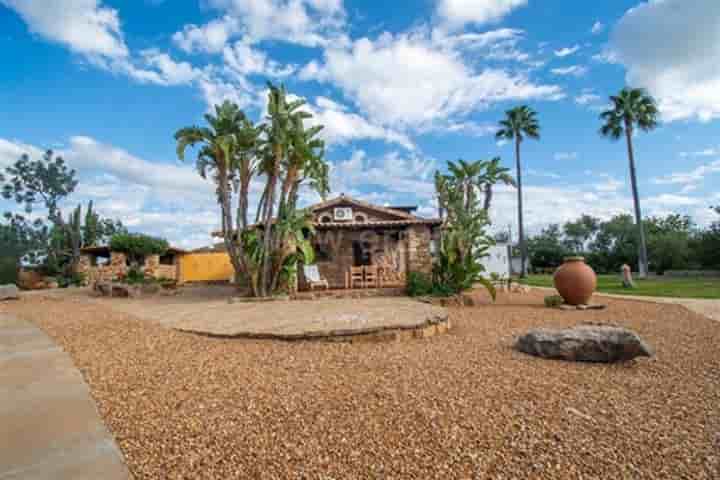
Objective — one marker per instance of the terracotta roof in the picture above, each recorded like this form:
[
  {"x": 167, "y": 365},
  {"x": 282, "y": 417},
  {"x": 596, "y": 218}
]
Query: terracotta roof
[
  {"x": 342, "y": 199},
  {"x": 379, "y": 223}
]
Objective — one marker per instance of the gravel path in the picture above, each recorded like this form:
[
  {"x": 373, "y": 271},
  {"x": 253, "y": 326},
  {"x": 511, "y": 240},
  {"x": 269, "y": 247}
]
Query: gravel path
[{"x": 461, "y": 405}]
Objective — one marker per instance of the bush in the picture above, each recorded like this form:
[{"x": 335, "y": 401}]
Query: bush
[
  {"x": 75, "y": 279},
  {"x": 137, "y": 245},
  {"x": 419, "y": 285},
  {"x": 552, "y": 301}
]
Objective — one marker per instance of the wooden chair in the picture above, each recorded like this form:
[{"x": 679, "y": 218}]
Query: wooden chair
[
  {"x": 312, "y": 275},
  {"x": 356, "y": 277},
  {"x": 371, "y": 276}
]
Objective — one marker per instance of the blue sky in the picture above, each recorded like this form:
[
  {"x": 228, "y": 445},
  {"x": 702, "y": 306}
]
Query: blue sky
[{"x": 401, "y": 88}]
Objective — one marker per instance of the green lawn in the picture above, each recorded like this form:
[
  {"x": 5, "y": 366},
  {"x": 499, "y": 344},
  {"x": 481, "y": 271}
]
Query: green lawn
[{"x": 670, "y": 287}]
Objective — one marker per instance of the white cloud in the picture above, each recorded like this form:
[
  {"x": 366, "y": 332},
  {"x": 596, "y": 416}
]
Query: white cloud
[
  {"x": 160, "y": 198},
  {"x": 210, "y": 38},
  {"x": 243, "y": 59},
  {"x": 391, "y": 175},
  {"x": 573, "y": 70},
  {"x": 672, "y": 48},
  {"x": 11, "y": 151},
  {"x": 587, "y": 97},
  {"x": 342, "y": 126},
  {"x": 305, "y": 22},
  {"x": 85, "y": 26},
  {"x": 411, "y": 81},
  {"x": 708, "y": 152},
  {"x": 456, "y": 13},
  {"x": 693, "y": 176},
  {"x": 566, "y": 156},
  {"x": 566, "y": 51},
  {"x": 597, "y": 28}
]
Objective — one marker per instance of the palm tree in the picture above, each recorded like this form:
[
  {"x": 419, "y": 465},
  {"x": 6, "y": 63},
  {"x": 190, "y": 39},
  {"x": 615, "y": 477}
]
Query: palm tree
[
  {"x": 494, "y": 173},
  {"x": 519, "y": 123},
  {"x": 630, "y": 108},
  {"x": 219, "y": 152},
  {"x": 467, "y": 176}
]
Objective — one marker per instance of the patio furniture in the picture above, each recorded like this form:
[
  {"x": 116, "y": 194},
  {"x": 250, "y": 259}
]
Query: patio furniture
[
  {"x": 312, "y": 275},
  {"x": 371, "y": 279},
  {"x": 356, "y": 276}
]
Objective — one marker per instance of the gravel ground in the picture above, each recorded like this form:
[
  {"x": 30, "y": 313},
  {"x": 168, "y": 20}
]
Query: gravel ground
[{"x": 461, "y": 405}]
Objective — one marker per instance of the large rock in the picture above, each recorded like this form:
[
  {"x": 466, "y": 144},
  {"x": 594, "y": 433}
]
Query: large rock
[
  {"x": 9, "y": 292},
  {"x": 585, "y": 343}
]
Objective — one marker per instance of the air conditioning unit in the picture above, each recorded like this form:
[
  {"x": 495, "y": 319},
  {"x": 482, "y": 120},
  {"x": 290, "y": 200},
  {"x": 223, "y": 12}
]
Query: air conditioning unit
[{"x": 343, "y": 213}]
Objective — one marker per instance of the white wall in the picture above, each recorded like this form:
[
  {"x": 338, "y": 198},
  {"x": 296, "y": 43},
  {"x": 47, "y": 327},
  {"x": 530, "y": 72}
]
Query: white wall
[{"x": 498, "y": 261}]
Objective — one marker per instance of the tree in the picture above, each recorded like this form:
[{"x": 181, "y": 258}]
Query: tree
[
  {"x": 137, "y": 246},
  {"x": 43, "y": 184},
  {"x": 469, "y": 179},
  {"x": 494, "y": 174},
  {"x": 546, "y": 249},
  {"x": 614, "y": 245},
  {"x": 226, "y": 154},
  {"x": 632, "y": 108},
  {"x": 518, "y": 124},
  {"x": 286, "y": 155},
  {"x": 579, "y": 233},
  {"x": 465, "y": 240}
]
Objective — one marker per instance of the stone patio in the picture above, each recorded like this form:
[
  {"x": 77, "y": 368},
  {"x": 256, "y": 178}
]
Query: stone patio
[{"x": 366, "y": 319}]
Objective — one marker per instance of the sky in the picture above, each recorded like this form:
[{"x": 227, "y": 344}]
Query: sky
[{"x": 401, "y": 88}]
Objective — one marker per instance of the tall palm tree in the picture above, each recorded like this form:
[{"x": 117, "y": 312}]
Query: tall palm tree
[
  {"x": 282, "y": 115},
  {"x": 631, "y": 108},
  {"x": 218, "y": 154},
  {"x": 518, "y": 124}
]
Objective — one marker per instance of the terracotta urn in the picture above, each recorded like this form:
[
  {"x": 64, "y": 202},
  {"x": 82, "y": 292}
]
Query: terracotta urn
[{"x": 575, "y": 281}]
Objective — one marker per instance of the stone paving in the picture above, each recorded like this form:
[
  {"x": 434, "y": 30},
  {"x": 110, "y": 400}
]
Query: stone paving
[
  {"x": 49, "y": 425},
  {"x": 289, "y": 320}
]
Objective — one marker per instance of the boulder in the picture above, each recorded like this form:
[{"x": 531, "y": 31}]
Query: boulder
[
  {"x": 9, "y": 292},
  {"x": 585, "y": 343}
]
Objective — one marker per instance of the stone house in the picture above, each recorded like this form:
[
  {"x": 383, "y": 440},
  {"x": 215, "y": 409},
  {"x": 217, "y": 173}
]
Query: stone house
[
  {"x": 352, "y": 233},
  {"x": 103, "y": 264}
]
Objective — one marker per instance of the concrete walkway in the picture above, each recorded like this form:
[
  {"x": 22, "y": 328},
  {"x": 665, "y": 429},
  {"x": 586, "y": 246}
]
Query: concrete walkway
[{"x": 49, "y": 426}]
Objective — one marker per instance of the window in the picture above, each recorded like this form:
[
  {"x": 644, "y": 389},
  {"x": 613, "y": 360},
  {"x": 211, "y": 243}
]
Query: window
[
  {"x": 99, "y": 260},
  {"x": 325, "y": 219},
  {"x": 360, "y": 218},
  {"x": 167, "y": 259}
]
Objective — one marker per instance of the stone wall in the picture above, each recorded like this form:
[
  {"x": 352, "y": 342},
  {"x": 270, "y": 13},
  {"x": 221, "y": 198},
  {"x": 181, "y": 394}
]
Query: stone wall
[
  {"x": 419, "y": 255},
  {"x": 102, "y": 273},
  {"x": 338, "y": 243},
  {"x": 117, "y": 266}
]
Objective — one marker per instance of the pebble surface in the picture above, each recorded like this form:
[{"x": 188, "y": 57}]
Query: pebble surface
[{"x": 457, "y": 406}]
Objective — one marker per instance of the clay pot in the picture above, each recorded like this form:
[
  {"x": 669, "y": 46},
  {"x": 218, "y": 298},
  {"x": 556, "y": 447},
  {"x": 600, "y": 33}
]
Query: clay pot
[{"x": 575, "y": 281}]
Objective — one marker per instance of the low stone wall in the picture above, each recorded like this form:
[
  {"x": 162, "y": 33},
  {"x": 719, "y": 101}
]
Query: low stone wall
[{"x": 103, "y": 273}]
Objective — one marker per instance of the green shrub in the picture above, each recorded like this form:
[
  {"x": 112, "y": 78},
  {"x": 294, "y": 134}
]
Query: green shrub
[
  {"x": 135, "y": 276},
  {"x": 137, "y": 245},
  {"x": 419, "y": 285},
  {"x": 552, "y": 301}
]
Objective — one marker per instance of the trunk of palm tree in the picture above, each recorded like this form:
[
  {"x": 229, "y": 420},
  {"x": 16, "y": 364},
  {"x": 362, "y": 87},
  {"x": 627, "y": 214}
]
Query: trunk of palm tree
[
  {"x": 521, "y": 224},
  {"x": 268, "y": 232},
  {"x": 488, "y": 198},
  {"x": 642, "y": 251}
]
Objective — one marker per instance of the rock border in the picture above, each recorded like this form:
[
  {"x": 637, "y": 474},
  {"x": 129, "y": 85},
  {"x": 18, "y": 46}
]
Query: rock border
[{"x": 389, "y": 333}]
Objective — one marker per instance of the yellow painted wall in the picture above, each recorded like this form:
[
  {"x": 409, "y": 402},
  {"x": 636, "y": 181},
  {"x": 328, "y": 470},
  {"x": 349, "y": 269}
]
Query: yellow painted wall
[{"x": 205, "y": 267}]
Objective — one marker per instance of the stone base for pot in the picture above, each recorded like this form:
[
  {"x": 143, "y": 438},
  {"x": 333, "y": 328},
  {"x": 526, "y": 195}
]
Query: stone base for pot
[{"x": 596, "y": 306}]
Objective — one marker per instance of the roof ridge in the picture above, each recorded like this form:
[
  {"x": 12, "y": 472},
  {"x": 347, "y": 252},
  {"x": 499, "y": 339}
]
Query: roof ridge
[{"x": 363, "y": 204}]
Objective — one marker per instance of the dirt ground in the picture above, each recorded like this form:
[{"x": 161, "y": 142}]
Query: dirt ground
[{"x": 460, "y": 405}]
